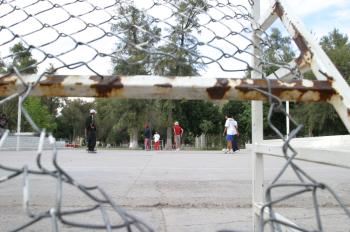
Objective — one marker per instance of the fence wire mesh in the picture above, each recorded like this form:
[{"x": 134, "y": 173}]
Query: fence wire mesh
[{"x": 162, "y": 37}]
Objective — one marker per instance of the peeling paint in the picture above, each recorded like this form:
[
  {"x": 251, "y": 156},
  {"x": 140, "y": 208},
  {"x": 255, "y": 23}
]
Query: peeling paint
[
  {"x": 165, "y": 88},
  {"x": 330, "y": 78},
  {"x": 106, "y": 86},
  {"x": 295, "y": 91},
  {"x": 287, "y": 84},
  {"x": 166, "y": 85},
  {"x": 218, "y": 91},
  {"x": 297, "y": 37},
  {"x": 300, "y": 41},
  {"x": 308, "y": 83},
  {"x": 251, "y": 95},
  {"x": 304, "y": 59},
  {"x": 52, "y": 80},
  {"x": 278, "y": 9},
  {"x": 7, "y": 80}
]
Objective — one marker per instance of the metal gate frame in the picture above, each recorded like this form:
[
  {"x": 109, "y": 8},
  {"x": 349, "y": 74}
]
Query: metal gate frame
[{"x": 313, "y": 58}]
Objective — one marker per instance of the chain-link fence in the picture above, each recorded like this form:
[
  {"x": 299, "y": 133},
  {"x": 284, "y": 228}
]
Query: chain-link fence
[{"x": 155, "y": 37}]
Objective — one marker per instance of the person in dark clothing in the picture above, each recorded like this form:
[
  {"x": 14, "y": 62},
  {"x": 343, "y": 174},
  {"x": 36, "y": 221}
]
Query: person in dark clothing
[
  {"x": 90, "y": 131},
  {"x": 3, "y": 124},
  {"x": 148, "y": 137}
]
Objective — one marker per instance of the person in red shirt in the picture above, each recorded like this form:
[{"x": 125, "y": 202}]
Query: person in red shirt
[{"x": 178, "y": 131}]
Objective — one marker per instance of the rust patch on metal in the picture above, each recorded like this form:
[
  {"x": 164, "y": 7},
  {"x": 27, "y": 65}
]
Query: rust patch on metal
[
  {"x": 219, "y": 90},
  {"x": 53, "y": 80},
  {"x": 296, "y": 91},
  {"x": 8, "y": 85},
  {"x": 300, "y": 41},
  {"x": 107, "y": 85},
  {"x": 330, "y": 78},
  {"x": 304, "y": 60},
  {"x": 7, "y": 80},
  {"x": 166, "y": 85},
  {"x": 297, "y": 37},
  {"x": 278, "y": 9}
]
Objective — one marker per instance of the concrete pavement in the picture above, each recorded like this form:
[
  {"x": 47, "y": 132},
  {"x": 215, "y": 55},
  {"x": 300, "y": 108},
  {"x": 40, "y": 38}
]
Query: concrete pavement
[{"x": 171, "y": 191}]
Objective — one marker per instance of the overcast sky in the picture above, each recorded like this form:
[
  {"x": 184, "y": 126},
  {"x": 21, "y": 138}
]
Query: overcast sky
[
  {"x": 319, "y": 16},
  {"x": 322, "y": 16}
]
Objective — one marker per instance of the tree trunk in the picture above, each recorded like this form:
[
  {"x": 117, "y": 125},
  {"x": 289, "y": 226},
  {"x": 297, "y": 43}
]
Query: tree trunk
[
  {"x": 197, "y": 143},
  {"x": 169, "y": 130},
  {"x": 169, "y": 144},
  {"x": 310, "y": 132},
  {"x": 133, "y": 139},
  {"x": 203, "y": 141}
]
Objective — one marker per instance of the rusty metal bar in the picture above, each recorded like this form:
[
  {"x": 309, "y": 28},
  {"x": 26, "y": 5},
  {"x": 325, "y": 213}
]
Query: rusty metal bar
[
  {"x": 285, "y": 74},
  {"x": 312, "y": 55},
  {"x": 266, "y": 19},
  {"x": 159, "y": 87}
]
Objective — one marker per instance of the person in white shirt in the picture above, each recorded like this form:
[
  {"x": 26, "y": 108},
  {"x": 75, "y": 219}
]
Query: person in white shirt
[
  {"x": 156, "y": 138},
  {"x": 231, "y": 131}
]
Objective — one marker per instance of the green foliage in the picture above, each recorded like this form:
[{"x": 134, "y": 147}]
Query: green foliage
[
  {"x": 23, "y": 60},
  {"x": 206, "y": 126},
  {"x": 192, "y": 114},
  {"x": 122, "y": 115},
  {"x": 278, "y": 51},
  {"x": 9, "y": 108},
  {"x": 39, "y": 113},
  {"x": 2, "y": 67},
  {"x": 132, "y": 58},
  {"x": 71, "y": 122},
  {"x": 131, "y": 53},
  {"x": 241, "y": 112},
  {"x": 320, "y": 118},
  {"x": 337, "y": 47},
  {"x": 183, "y": 61},
  {"x": 52, "y": 104}
]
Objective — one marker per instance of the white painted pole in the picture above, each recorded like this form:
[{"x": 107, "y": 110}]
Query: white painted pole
[
  {"x": 287, "y": 119},
  {"x": 19, "y": 119},
  {"x": 257, "y": 131}
]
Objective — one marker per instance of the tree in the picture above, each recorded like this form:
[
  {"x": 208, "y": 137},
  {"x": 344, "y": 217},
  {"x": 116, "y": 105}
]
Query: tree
[
  {"x": 71, "y": 122},
  {"x": 25, "y": 63},
  {"x": 183, "y": 50},
  {"x": 133, "y": 58},
  {"x": 52, "y": 103},
  {"x": 193, "y": 114},
  {"x": 337, "y": 47},
  {"x": 277, "y": 52},
  {"x": 2, "y": 66},
  {"x": 40, "y": 114},
  {"x": 23, "y": 59}
]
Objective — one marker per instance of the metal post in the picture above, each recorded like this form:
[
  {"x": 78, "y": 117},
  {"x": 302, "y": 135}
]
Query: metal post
[
  {"x": 19, "y": 119},
  {"x": 287, "y": 119},
  {"x": 257, "y": 132}
]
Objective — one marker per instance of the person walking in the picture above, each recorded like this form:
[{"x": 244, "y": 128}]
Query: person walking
[
  {"x": 148, "y": 137},
  {"x": 178, "y": 131},
  {"x": 156, "y": 138},
  {"x": 231, "y": 131},
  {"x": 91, "y": 131}
]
